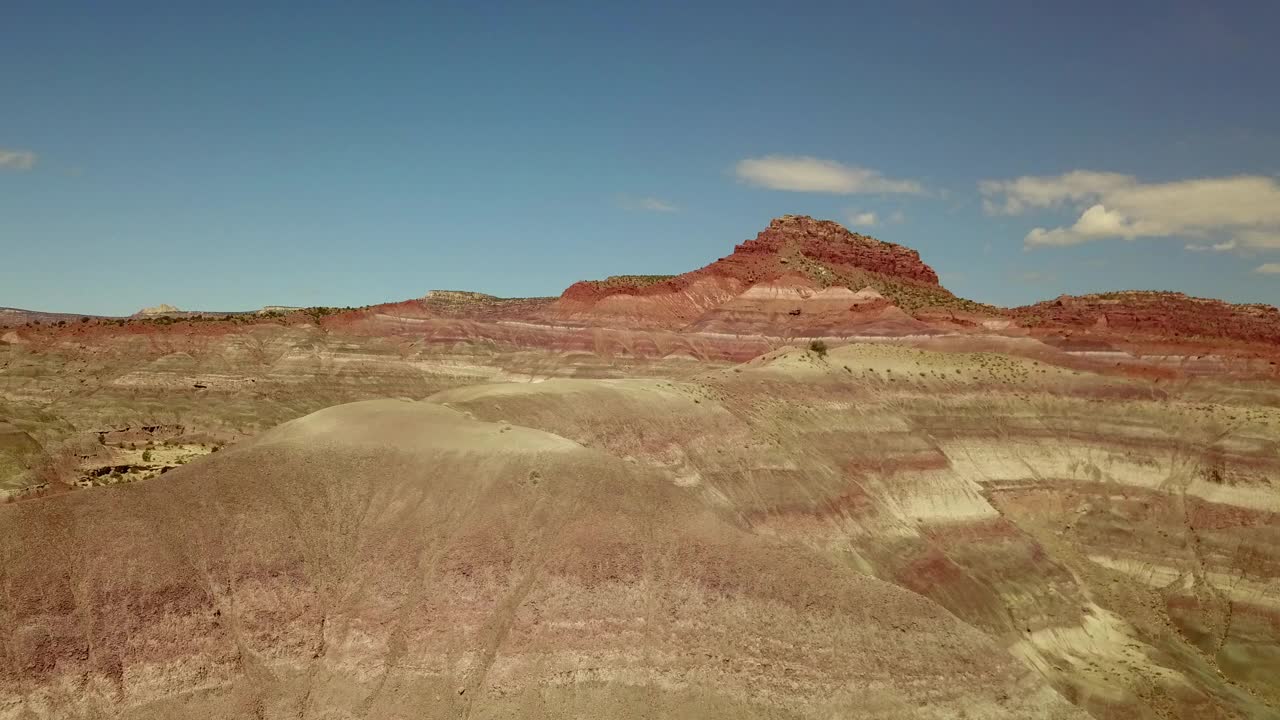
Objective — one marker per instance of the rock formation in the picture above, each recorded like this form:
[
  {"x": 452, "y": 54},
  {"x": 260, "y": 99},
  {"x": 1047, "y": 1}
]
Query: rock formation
[
  {"x": 822, "y": 252},
  {"x": 1155, "y": 315}
]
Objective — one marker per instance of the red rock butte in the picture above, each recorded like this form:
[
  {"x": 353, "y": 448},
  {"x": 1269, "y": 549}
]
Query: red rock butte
[{"x": 795, "y": 250}]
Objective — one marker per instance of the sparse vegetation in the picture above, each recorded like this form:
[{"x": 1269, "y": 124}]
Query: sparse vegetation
[
  {"x": 630, "y": 280},
  {"x": 819, "y": 347},
  {"x": 316, "y": 313},
  {"x": 908, "y": 296}
]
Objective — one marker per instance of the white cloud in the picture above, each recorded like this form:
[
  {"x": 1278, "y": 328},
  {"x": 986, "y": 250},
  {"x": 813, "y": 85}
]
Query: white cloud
[
  {"x": 1012, "y": 197},
  {"x": 1245, "y": 208},
  {"x": 1268, "y": 269},
  {"x": 1095, "y": 223},
  {"x": 650, "y": 204},
  {"x": 863, "y": 219},
  {"x": 17, "y": 159},
  {"x": 867, "y": 218},
  {"x": 1259, "y": 239},
  {"x": 1216, "y": 247},
  {"x": 810, "y": 174}
]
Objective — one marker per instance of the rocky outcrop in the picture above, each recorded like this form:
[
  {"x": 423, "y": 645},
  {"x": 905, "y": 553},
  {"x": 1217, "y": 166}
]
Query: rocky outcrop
[
  {"x": 463, "y": 303},
  {"x": 795, "y": 239}
]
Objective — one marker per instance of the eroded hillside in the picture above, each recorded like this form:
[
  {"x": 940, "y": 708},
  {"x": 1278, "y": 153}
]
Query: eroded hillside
[
  {"x": 803, "y": 481},
  {"x": 880, "y": 530}
]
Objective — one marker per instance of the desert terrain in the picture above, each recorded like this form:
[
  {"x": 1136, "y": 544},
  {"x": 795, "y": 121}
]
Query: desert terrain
[{"x": 803, "y": 481}]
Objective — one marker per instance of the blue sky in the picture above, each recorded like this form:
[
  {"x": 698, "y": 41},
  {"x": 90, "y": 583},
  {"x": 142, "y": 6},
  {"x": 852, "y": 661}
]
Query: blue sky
[{"x": 230, "y": 155}]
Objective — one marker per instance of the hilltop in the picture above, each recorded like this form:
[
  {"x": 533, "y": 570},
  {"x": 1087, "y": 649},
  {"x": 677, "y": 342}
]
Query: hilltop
[{"x": 794, "y": 250}]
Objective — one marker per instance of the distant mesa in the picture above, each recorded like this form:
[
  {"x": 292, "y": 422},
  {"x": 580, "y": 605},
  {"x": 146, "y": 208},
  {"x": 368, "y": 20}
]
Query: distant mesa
[
  {"x": 1150, "y": 313},
  {"x": 457, "y": 297},
  {"x": 17, "y": 316},
  {"x": 170, "y": 311},
  {"x": 161, "y": 309}
]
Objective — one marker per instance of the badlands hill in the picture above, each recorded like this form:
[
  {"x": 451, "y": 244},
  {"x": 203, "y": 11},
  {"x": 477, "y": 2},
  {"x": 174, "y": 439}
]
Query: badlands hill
[
  {"x": 803, "y": 481},
  {"x": 402, "y": 559}
]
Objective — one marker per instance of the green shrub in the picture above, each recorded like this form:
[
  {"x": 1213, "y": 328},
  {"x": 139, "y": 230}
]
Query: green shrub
[{"x": 818, "y": 347}]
